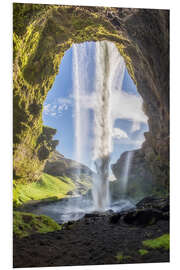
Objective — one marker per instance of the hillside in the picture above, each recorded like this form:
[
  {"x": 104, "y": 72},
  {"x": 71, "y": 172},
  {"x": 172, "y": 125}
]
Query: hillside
[
  {"x": 59, "y": 166},
  {"x": 60, "y": 179}
]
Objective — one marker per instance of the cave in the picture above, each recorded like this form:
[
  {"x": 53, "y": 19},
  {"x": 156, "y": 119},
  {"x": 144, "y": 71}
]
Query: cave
[
  {"x": 141, "y": 36},
  {"x": 45, "y": 226}
]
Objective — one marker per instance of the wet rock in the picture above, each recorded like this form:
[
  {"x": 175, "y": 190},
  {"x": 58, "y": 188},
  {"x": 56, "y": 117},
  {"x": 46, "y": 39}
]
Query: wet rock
[
  {"x": 161, "y": 204},
  {"x": 70, "y": 193},
  {"x": 143, "y": 217},
  {"x": 99, "y": 214},
  {"x": 165, "y": 216},
  {"x": 115, "y": 218},
  {"x": 93, "y": 214}
]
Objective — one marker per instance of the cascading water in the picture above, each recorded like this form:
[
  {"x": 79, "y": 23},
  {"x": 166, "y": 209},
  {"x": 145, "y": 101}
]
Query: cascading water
[
  {"x": 80, "y": 77},
  {"x": 108, "y": 60},
  {"x": 106, "y": 83},
  {"x": 102, "y": 126},
  {"x": 126, "y": 170}
]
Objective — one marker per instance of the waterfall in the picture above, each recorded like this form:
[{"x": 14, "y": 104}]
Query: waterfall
[
  {"x": 102, "y": 126},
  {"x": 108, "y": 60},
  {"x": 81, "y": 117},
  {"x": 126, "y": 170},
  {"x": 78, "y": 115},
  {"x": 109, "y": 70}
]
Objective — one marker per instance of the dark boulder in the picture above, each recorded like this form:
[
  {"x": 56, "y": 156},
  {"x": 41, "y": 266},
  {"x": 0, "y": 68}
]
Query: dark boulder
[
  {"x": 161, "y": 204},
  {"x": 115, "y": 218},
  {"x": 143, "y": 217}
]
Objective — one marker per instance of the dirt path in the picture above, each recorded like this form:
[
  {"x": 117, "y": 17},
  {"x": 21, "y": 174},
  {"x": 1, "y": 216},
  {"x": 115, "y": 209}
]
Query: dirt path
[{"x": 90, "y": 241}]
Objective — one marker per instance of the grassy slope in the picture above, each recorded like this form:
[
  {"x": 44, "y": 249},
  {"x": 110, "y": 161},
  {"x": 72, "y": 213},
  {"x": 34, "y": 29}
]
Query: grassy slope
[
  {"x": 25, "y": 224},
  {"x": 47, "y": 187}
]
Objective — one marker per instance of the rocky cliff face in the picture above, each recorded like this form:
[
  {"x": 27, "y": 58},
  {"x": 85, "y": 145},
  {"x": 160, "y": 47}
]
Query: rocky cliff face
[
  {"x": 42, "y": 33},
  {"x": 141, "y": 181},
  {"x": 58, "y": 165}
]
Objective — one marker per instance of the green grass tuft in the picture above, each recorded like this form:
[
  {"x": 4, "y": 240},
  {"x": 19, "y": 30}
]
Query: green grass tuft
[
  {"x": 120, "y": 257},
  {"x": 160, "y": 242},
  {"x": 25, "y": 224},
  {"x": 143, "y": 252}
]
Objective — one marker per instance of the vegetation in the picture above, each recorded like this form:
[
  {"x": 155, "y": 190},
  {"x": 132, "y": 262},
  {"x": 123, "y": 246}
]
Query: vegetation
[
  {"x": 47, "y": 187},
  {"x": 143, "y": 252},
  {"x": 160, "y": 242},
  {"x": 42, "y": 34},
  {"x": 25, "y": 224},
  {"x": 120, "y": 257}
]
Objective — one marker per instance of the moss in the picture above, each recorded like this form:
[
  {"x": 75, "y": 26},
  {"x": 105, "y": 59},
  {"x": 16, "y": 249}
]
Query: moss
[
  {"x": 47, "y": 187},
  {"x": 143, "y": 252},
  {"x": 25, "y": 224},
  {"x": 42, "y": 34},
  {"x": 160, "y": 242},
  {"x": 121, "y": 258}
]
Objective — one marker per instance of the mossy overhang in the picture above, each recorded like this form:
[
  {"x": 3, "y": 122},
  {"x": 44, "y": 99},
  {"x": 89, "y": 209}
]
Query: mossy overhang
[{"x": 42, "y": 34}]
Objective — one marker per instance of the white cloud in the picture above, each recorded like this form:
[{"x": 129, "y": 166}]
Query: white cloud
[
  {"x": 135, "y": 126},
  {"x": 47, "y": 108},
  {"x": 62, "y": 107},
  {"x": 127, "y": 106},
  {"x": 136, "y": 142},
  {"x": 54, "y": 109},
  {"x": 119, "y": 134},
  {"x": 67, "y": 101}
]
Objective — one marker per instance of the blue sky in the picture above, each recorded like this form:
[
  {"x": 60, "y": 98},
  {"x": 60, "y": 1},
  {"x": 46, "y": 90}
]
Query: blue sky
[{"x": 130, "y": 122}]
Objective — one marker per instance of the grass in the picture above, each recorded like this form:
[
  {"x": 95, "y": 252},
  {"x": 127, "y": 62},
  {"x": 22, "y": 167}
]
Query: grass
[
  {"x": 47, "y": 187},
  {"x": 160, "y": 242},
  {"x": 120, "y": 257},
  {"x": 25, "y": 224},
  {"x": 143, "y": 252}
]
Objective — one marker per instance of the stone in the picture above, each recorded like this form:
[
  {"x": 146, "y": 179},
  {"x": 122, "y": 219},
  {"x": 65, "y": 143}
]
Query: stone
[
  {"x": 143, "y": 217},
  {"x": 115, "y": 218}
]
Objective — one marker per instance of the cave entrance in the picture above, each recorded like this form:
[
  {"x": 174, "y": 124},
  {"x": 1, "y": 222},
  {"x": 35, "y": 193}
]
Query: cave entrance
[{"x": 70, "y": 104}]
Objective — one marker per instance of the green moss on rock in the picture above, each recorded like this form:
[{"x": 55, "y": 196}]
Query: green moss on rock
[
  {"x": 120, "y": 257},
  {"x": 25, "y": 224},
  {"x": 143, "y": 252},
  {"x": 160, "y": 242},
  {"x": 42, "y": 34}
]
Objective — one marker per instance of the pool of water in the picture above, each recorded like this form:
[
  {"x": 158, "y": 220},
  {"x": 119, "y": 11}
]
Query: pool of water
[{"x": 75, "y": 208}]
